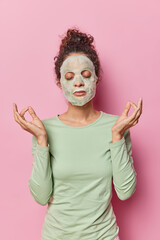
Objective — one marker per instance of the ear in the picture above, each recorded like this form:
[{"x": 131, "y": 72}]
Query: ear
[
  {"x": 59, "y": 84},
  {"x": 97, "y": 82}
]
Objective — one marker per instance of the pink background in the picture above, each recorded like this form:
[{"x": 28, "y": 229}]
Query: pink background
[{"x": 127, "y": 39}]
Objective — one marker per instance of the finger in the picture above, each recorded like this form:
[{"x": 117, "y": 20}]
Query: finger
[
  {"x": 136, "y": 118},
  {"x": 126, "y": 108},
  {"x": 131, "y": 118},
  {"x": 135, "y": 122},
  {"x": 135, "y": 107},
  {"x": 15, "y": 107},
  {"x": 140, "y": 104},
  {"x": 135, "y": 114},
  {"x": 16, "y": 116},
  {"x": 139, "y": 109},
  {"x": 24, "y": 122},
  {"x": 27, "y": 125},
  {"x": 18, "y": 121},
  {"x": 23, "y": 112},
  {"x": 32, "y": 112},
  {"x": 14, "y": 111},
  {"x": 140, "y": 101}
]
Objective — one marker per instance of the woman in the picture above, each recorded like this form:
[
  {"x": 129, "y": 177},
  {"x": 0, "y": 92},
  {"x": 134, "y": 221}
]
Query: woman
[{"x": 76, "y": 154}]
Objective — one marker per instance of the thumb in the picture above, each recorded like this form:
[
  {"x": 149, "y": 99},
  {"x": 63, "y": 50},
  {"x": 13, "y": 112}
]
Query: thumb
[
  {"x": 126, "y": 109},
  {"x": 32, "y": 112}
]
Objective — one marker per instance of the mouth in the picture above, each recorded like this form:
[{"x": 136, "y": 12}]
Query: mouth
[{"x": 79, "y": 93}]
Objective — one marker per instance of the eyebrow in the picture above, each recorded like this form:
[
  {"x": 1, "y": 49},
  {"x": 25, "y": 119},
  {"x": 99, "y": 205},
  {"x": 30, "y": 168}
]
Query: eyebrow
[{"x": 86, "y": 68}]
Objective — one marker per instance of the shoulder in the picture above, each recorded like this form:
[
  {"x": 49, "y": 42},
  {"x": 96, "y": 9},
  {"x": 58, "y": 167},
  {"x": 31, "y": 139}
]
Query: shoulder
[
  {"x": 110, "y": 117},
  {"x": 107, "y": 120},
  {"x": 47, "y": 121}
]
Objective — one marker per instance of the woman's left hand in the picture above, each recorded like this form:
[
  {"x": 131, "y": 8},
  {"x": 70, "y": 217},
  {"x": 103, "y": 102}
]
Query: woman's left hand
[{"x": 125, "y": 122}]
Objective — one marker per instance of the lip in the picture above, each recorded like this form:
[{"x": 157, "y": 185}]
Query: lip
[{"x": 79, "y": 93}]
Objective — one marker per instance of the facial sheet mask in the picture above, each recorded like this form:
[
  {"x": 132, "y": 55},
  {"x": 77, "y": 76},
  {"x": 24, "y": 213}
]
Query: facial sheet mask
[{"x": 77, "y": 64}]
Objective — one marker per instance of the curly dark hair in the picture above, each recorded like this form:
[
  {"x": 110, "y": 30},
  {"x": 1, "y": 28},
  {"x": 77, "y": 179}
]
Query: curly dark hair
[{"x": 76, "y": 41}]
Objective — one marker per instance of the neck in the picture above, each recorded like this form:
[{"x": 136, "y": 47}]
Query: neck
[{"x": 81, "y": 112}]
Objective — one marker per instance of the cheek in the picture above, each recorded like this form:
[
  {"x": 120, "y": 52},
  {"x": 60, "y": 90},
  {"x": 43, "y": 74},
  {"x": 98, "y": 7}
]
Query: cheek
[
  {"x": 67, "y": 85},
  {"x": 90, "y": 83}
]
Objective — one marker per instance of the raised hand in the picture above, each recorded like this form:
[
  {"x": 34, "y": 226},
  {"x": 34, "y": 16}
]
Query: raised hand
[
  {"x": 125, "y": 122},
  {"x": 35, "y": 127}
]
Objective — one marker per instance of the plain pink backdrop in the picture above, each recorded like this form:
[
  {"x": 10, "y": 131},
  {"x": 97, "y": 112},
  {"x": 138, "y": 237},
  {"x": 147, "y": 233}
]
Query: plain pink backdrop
[{"x": 127, "y": 39}]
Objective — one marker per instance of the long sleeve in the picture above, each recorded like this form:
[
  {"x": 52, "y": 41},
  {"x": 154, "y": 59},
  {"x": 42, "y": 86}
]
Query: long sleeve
[
  {"x": 40, "y": 181},
  {"x": 124, "y": 174}
]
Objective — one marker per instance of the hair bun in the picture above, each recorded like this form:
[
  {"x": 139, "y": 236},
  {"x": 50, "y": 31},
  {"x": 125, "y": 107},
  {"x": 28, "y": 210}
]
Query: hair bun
[{"x": 75, "y": 37}]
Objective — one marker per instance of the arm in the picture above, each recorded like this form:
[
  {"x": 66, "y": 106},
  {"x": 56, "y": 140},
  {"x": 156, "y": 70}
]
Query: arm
[
  {"x": 124, "y": 175},
  {"x": 40, "y": 181}
]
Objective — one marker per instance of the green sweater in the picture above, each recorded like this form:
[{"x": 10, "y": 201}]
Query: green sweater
[{"x": 77, "y": 168}]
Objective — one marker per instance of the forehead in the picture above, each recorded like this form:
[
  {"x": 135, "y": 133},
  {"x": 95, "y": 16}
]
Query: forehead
[{"x": 77, "y": 62}]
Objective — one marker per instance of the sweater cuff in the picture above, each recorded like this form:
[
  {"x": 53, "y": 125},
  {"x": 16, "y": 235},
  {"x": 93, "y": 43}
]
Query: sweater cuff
[
  {"x": 118, "y": 143},
  {"x": 41, "y": 148}
]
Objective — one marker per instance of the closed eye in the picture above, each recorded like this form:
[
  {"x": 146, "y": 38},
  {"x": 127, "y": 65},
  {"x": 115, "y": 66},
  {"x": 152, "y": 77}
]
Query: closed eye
[
  {"x": 86, "y": 74},
  {"x": 69, "y": 75}
]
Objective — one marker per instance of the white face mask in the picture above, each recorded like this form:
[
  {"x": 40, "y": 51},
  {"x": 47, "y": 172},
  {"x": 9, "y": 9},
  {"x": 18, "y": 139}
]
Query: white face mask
[{"x": 77, "y": 64}]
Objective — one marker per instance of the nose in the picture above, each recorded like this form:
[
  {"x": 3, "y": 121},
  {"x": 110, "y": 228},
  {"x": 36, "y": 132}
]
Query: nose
[{"x": 79, "y": 82}]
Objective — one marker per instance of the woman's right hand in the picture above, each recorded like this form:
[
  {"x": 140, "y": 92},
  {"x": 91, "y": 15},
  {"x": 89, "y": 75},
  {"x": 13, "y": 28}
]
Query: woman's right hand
[{"x": 35, "y": 127}]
